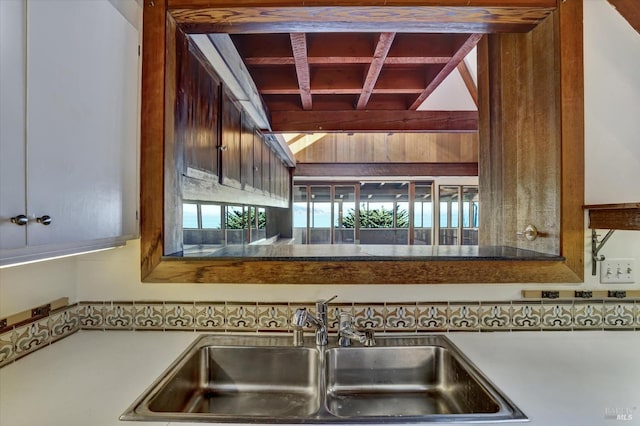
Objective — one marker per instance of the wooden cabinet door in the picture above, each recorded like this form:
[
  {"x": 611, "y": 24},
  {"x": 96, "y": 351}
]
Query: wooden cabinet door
[
  {"x": 247, "y": 156},
  {"x": 12, "y": 122},
  {"x": 266, "y": 167},
  {"x": 257, "y": 161},
  {"x": 231, "y": 159},
  {"x": 82, "y": 116},
  {"x": 279, "y": 179},
  {"x": 197, "y": 111}
]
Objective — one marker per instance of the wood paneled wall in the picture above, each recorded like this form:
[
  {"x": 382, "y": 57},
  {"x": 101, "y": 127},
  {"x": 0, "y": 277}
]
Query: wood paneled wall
[
  {"x": 520, "y": 159},
  {"x": 385, "y": 148}
]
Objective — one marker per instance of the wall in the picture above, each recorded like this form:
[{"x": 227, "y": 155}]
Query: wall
[
  {"x": 612, "y": 108},
  {"x": 612, "y": 58},
  {"x": 612, "y": 85},
  {"x": 28, "y": 286}
]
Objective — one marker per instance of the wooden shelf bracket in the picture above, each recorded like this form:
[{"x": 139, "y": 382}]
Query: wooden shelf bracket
[
  {"x": 610, "y": 216},
  {"x": 596, "y": 246}
]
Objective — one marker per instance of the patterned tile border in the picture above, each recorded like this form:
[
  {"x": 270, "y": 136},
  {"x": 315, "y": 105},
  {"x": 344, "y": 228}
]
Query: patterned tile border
[
  {"x": 27, "y": 337},
  {"x": 23, "y": 338}
]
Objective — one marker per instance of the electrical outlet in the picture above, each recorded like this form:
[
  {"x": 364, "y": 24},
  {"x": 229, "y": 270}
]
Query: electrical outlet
[{"x": 618, "y": 271}]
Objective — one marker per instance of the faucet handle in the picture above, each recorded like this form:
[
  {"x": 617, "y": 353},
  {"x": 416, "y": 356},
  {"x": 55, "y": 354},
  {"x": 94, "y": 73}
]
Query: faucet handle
[
  {"x": 300, "y": 318},
  {"x": 330, "y": 299},
  {"x": 322, "y": 306},
  {"x": 345, "y": 319},
  {"x": 369, "y": 338}
]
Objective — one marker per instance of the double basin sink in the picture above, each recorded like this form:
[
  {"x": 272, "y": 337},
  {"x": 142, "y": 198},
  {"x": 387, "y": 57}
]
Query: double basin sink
[{"x": 265, "y": 379}]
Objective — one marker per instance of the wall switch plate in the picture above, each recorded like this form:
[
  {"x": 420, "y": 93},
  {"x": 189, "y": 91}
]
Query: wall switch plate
[{"x": 618, "y": 271}]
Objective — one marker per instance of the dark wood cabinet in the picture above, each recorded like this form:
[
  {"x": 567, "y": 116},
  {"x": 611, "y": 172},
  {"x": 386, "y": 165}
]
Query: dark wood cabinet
[
  {"x": 197, "y": 115},
  {"x": 231, "y": 147},
  {"x": 265, "y": 166},
  {"x": 257, "y": 161},
  {"x": 247, "y": 156}
]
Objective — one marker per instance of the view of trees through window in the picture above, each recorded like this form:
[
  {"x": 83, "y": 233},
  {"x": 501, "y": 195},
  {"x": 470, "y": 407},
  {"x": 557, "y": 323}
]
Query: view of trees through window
[
  {"x": 243, "y": 219},
  {"x": 221, "y": 224},
  {"x": 380, "y": 212},
  {"x": 378, "y": 218},
  {"x": 386, "y": 212}
]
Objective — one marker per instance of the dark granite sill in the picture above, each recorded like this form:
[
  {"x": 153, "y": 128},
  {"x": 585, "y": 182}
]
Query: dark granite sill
[{"x": 327, "y": 252}]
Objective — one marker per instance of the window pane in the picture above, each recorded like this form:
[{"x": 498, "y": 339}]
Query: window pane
[
  {"x": 258, "y": 220},
  {"x": 235, "y": 218},
  {"x": 470, "y": 212},
  {"x": 444, "y": 214},
  {"x": 262, "y": 218},
  {"x": 300, "y": 214},
  {"x": 449, "y": 215},
  {"x": 427, "y": 215},
  {"x": 344, "y": 204},
  {"x": 190, "y": 216},
  {"x": 379, "y": 204},
  {"x": 402, "y": 215},
  {"x": 422, "y": 214},
  {"x": 476, "y": 214},
  {"x": 384, "y": 213},
  {"x": 236, "y": 225},
  {"x": 299, "y": 206},
  {"x": 471, "y": 202},
  {"x": 454, "y": 214},
  {"x": 320, "y": 205},
  {"x": 344, "y": 214},
  {"x": 417, "y": 215},
  {"x": 211, "y": 216}
]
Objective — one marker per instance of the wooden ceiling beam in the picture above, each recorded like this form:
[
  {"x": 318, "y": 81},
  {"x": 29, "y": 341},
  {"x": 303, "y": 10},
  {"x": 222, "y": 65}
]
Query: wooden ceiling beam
[
  {"x": 423, "y": 16},
  {"x": 326, "y": 60},
  {"x": 269, "y": 60},
  {"x": 385, "y": 169},
  {"x": 513, "y": 4},
  {"x": 459, "y": 56},
  {"x": 340, "y": 91},
  {"x": 379, "y": 56},
  {"x": 336, "y": 80},
  {"x": 346, "y": 80},
  {"x": 374, "y": 121},
  {"x": 463, "y": 69},
  {"x": 417, "y": 60},
  {"x": 299, "y": 47}
]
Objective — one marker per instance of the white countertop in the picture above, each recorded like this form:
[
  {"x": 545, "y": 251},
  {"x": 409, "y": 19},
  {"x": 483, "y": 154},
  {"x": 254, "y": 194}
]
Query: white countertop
[{"x": 556, "y": 378}]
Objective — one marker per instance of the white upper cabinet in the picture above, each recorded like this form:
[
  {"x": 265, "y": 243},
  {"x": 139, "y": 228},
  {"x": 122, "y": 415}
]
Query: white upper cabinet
[
  {"x": 12, "y": 122},
  {"x": 79, "y": 142}
]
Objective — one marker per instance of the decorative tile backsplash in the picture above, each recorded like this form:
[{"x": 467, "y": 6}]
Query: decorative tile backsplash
[
  {"x": 49, "y": 326},
  {"x": 29, "y": 335}
]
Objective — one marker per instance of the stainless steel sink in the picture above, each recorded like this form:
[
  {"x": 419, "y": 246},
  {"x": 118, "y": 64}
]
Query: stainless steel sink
[
  {"x": 406, "y": 381},
  {"x": 243, "y": 381},
  {"x": 249, "y": 379},
  {"x": 229, "y": 378}
]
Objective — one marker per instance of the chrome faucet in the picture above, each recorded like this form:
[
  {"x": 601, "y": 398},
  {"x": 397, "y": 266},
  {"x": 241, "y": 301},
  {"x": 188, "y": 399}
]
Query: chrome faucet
[
  {"x": 302, "y": 317},
  {"x": 346, "y": 332}
]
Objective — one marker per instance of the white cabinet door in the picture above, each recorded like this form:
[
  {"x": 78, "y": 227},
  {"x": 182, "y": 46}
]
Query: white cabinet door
[
  {"x": 12, "y": 122},
  {"x": 82, "y": 68}
]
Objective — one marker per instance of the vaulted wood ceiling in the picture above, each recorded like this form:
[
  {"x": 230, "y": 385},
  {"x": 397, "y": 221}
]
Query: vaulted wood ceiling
[
  {"x": 339, "y": 81},
  {"x": 355, "y": 65}
]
